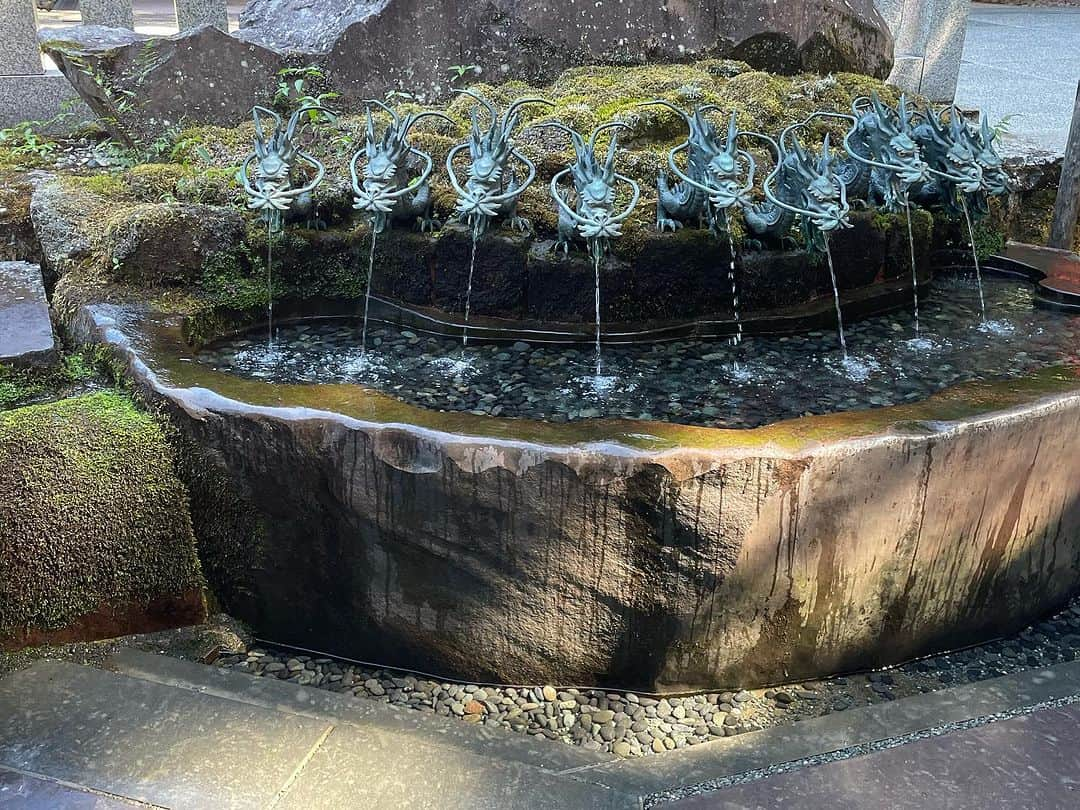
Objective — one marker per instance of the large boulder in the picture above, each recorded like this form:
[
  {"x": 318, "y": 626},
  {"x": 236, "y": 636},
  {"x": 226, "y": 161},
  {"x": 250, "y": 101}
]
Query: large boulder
[
  {"x": 156, "y": 244},
  {"x": 142, "y": 86},
  {"x": 412, "y": 45}
]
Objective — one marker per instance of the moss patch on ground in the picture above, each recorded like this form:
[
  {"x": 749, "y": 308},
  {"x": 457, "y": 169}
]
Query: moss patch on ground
[{"x": 92, "y": 515}]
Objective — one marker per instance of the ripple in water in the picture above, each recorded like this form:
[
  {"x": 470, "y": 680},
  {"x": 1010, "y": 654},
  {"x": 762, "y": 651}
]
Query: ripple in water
[{"x": 701, "y": 382}]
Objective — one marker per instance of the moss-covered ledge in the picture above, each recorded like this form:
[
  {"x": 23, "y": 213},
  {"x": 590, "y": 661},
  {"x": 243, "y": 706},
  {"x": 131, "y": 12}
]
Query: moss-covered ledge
[{"x": 95, "y": 535}]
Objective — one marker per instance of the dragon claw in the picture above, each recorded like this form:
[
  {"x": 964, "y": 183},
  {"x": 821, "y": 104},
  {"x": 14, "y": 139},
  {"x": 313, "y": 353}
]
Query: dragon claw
[
  {"x": 428, "y": 224},
  {"x": 521, "y": 224},
  {"x": 666, "y": 223}
]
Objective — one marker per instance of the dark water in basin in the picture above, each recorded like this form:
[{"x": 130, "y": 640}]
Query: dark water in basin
[{"x": 699, "y": 382}]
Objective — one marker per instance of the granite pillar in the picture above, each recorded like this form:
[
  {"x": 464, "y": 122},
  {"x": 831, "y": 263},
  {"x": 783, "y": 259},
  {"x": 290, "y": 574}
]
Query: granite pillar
[
  {"x": 110, "y": 13},
  {"x": 27, "y": 93},
  {"x": 19, "y": 55},
  {"x": 195, "y": 13},
  {"x": 929, "y": 41}
]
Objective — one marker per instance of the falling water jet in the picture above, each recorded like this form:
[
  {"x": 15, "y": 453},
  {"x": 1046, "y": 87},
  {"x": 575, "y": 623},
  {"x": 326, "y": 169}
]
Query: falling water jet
[
  {"x": 367, "y": 291},
  {"x": 974, "y": 258},
  {"x": 269, "y": 283},
  {"x": 737, "y": 339},
  {"x": 836, "y": 298},
  {"x": 468, "y": 293},
  {"x": 596, "y": 271},
  {"x": 914, "y": 273}
]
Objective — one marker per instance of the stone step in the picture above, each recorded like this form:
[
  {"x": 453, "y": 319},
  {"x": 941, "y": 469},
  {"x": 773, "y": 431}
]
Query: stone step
[
  {"x": 26, "y": 335},
  {"x": 179, "y": 735}
]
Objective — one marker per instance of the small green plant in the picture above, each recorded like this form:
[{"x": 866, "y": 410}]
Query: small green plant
[
  {"x": 299, "y": 87},
  {"x": 26, "y": 138},
  {"x": 1003, "y": 126},
  {"x": 459, "y": 72}
]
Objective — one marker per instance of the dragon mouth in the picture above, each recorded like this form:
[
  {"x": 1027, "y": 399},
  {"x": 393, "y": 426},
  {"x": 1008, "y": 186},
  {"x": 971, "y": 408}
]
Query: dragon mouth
[{"x": 726, "y": 195}]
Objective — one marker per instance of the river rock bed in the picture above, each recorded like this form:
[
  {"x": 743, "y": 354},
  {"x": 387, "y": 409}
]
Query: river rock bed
[
  {"x": 629, "y": 724},
  {"x": 699, "y": 382}
]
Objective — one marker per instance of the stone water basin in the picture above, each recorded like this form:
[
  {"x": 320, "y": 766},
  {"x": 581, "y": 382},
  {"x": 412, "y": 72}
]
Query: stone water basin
[{"x": 642, "y": 554}]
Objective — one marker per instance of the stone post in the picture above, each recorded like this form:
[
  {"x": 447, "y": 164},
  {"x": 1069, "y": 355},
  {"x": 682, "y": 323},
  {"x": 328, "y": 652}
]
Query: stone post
[
  {"x": 1067, "y": 205},
  {"x": 929, "y": 41},
  {"x": 19, "y": 55},
  {"x": 111, "y": 13},
  {"x": 27, "y": 92},
  {"x": 196, "y": 13}
]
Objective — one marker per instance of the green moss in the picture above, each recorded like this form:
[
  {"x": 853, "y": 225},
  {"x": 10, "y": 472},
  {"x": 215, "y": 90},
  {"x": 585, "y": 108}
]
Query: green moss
[{"x": 91, "y": 512}]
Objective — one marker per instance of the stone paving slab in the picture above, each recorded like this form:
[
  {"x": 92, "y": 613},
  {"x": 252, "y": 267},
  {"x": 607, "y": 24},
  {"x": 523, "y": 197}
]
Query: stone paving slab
[
  {"x": 1022, "y": 62},
  {"x": 491, "y": 742},
  {"x": 381, "y": 771},
  {"x": 133, "y": 738},
  {"x": 19, "y": 791},
  {"x": 836, "y": 732},
  {"x": 1028, "y": 761},
  {"x": 26, "y": 336}
]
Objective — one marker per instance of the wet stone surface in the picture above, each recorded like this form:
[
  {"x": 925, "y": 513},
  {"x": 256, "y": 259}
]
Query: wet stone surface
[
  {"x": 697, "y": 382},
  {"x": 629, "y": 724}
]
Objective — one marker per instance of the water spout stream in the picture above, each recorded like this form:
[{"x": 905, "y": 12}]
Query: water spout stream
[
  {"x": 914, "y": 273},
  {"x": 731, "y": 278},
  {"x": 974, "y": 257},
  {"x": 269, "y": 283},
  {"x": 836, "y": 297},
  {"x": 468, "y": 292},
  {"x": 367, "y": 292},
  {"x": 596, "y": 252}
]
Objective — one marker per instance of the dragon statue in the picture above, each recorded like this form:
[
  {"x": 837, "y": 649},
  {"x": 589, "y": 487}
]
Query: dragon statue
[
  {"x": 271, "y": 190},
  {"x": 389, "y": 191},
  {"x": 995, "y": 181},
  {"x": 803, "y": 186},
  {"x": 718, "y": 174},
  {"x": 950, "y": 152},
  {"x": 594, "y": 217},
  {"x": 491, "y": 189},
  {"x": 885, "y": 159}
]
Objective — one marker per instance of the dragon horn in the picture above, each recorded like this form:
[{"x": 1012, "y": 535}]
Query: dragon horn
[
  {"x": 603, "y": 127},
  {"x": 411, "y": 120},
  {"x": 258, "y": 121},
  {"x": 370, "y": 126},
  {"x": 826, "y": 156},
  {"x": 520, "y": 103},
  {"x": 480, "y": 99},
  {"x": 659, "y": 102},
  {"x": 985, "y": 131},
  {"x": 732, "y": 133},
  {"x": 393, "y": 115}
]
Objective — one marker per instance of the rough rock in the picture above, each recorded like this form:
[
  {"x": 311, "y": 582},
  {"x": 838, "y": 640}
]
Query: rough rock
[
  {"x": 26, "y": 336},
  {"x": 168, "y": 243},
  {"x": 207, "y": 76},
  {"x": 413, "y": 46},
  {"x": 57, "y": 216},
  {"x": 147, "y": 85}
]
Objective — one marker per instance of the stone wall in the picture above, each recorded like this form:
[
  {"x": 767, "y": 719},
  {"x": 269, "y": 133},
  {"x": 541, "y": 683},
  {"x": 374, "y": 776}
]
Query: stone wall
[{"x": 785, "y": 553}]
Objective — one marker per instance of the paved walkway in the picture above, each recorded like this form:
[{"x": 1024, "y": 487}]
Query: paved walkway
[
  {"x": 1023, "y": 62},
  {"x": 1030, "y": 761},
  {"x": 165, "y": 733}
]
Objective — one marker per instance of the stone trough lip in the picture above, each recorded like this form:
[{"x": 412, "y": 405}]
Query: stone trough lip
[
  {"x": 713, "y": 556},
  {"x": 145, "y": 339}
]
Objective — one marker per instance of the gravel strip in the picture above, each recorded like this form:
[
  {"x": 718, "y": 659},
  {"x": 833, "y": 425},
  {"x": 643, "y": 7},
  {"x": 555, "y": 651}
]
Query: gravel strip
[{"x": 630, "y": 725}]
